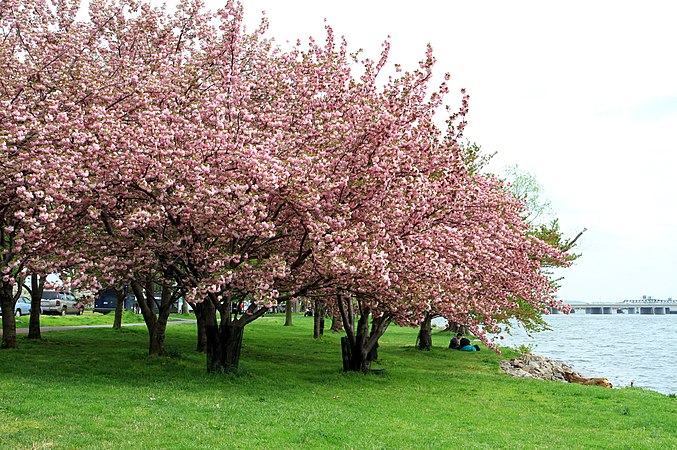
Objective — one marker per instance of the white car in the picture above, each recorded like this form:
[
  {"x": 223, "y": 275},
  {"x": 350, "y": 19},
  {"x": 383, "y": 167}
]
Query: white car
[
  {"x": 60, "y": 303},
  {"x": 23, "y": 306}
]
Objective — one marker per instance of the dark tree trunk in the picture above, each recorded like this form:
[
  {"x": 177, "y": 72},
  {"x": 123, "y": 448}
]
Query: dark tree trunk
[
  {"x": 424, "y": 341},
  {"x": 360, "y": 342},
  {"x": 318, "y": 319},
  {"x": 373, "y": 353},
  {"x": 200, "y": 318},
  {"x": 7, "y": 302},
  {"x": 359, "y": 350},
  {"x": 457, "y": 328},
  {"x": 336, "y": 322},
  {"x": 224, "y": 340},
  {"x": 119, "y": 308},
  {"x": 164, "y": 310},
  {"x": 288, "y": 313},
  {"x": 224, "y": 344},
  {"x": 37, "y": 287},
  {"x": 156, "y": 342},
  {"x": 156, "y": 324}
]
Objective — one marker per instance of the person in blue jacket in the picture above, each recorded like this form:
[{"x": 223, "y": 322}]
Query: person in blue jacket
[{"x": 467, "y": 347}]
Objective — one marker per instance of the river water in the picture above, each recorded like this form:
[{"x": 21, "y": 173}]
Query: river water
[{"x": 625, "y": 348}]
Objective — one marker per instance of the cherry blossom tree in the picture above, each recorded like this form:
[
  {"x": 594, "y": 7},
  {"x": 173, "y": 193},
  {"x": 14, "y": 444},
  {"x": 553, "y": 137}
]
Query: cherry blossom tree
[
  {"x": 261, "y": 174},
  {"x": 205, "y": 160},
  {"x": 407, "y": 227},
  {"x": 181, "y": 177},
  {"x": 38, "y": 129}
]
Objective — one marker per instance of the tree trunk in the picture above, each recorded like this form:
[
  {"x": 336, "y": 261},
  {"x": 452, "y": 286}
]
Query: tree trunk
[
  {"x": 288, "y": 313},
  {"x": 224, "y": 341},
  {"x": 200, "y": 318},
  {"x": 164, "y": 309},
  {"x": 373, "y": 352},
  {"x": 224, "y": 344},
  {"x": 156, "y": 325},
  {"x": 7, "y": 302},
  {"x": 119, "y": 308},
  {"x": 456, "y": 328},
  {"x": 336, "y": 322},
  {"x": 37, "y": 288},
  {"x": 424, "y": 341},
  {"x": 156, "y": 344},
  {"x": 358, "y": 347},
  {"x": 318, "y": 318}
]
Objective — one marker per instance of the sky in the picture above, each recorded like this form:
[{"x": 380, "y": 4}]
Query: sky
[{"x": 581, "y": 94}]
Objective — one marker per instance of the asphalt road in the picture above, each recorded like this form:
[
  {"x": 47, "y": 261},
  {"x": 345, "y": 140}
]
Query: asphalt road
[{"x": 77, "y": 327}]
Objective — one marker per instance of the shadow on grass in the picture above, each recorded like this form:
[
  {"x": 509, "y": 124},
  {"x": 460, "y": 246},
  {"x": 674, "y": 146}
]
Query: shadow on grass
[{"x": 106, "y": 357}]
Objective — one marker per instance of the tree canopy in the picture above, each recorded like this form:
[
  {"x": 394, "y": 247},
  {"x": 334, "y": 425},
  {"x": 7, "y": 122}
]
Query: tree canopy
[{"x": 181, "y": 148}]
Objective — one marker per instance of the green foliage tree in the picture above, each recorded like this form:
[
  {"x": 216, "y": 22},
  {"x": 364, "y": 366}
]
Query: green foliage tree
[{"x": 538, "y": 212}]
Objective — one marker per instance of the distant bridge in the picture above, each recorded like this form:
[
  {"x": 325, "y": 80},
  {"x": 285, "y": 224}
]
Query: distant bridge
[{"x": 643, "y": 306}]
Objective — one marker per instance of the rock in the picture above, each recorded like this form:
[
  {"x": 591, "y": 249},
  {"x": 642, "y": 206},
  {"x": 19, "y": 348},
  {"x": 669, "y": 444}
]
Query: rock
[
  {"x": 516, "y": 372},
  {"x": 542, "y": 368},
  {"x": 573, "y": 377}
]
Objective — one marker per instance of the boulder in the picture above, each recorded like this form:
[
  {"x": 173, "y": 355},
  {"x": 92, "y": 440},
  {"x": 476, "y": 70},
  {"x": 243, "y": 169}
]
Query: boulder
[{"x": 542, "y": 368}]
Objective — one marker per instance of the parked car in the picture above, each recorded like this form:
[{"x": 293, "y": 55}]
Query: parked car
[
  {"x": 62, "y": 303},
  {"x": 132, "y": 304},
  {"x": 23, "y": 306},
  {"x": 105, "y": 301}
]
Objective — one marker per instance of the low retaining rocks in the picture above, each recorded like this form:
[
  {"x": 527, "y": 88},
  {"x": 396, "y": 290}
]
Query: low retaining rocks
[{"x": 542, "y": 368}]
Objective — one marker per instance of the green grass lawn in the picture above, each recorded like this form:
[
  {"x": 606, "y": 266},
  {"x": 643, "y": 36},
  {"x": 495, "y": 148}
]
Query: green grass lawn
[{"x": 96, "y": 388}]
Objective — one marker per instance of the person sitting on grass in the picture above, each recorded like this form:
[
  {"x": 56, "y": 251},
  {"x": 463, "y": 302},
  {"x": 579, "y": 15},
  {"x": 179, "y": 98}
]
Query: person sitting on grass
[
  {"x": 456, "y": 341},
  {"x": 465, "y": 346}
]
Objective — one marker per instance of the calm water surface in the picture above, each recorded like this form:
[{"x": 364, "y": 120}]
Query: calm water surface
[{"x": 625, "y": 348}]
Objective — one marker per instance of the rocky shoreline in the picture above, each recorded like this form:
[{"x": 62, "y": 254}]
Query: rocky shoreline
[{"x": 542, "y": 368}]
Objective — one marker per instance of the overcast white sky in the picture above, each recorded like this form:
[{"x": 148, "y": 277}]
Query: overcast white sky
[{"x": 582, "y": 94}]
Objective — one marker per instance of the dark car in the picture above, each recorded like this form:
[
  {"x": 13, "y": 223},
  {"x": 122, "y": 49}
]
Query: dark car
[{"x": 105, "y": 301}]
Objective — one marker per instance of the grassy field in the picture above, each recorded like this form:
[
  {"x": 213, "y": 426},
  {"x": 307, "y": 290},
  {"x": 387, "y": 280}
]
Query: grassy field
[{"x": 96, "y": 388}]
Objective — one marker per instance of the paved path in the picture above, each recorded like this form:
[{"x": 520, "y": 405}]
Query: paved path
[{"x": 77, "y": 327}]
